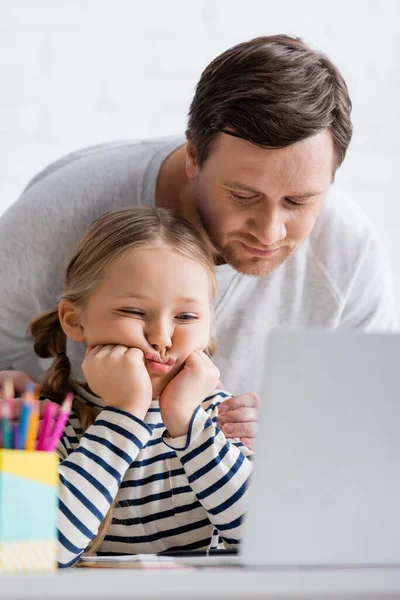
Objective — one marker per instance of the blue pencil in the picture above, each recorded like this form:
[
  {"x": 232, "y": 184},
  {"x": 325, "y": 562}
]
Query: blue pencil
[
  {"x": 15, "y": 434},
  {"x": 23, "y": 425},
  {"x": 6, "y": 426}
]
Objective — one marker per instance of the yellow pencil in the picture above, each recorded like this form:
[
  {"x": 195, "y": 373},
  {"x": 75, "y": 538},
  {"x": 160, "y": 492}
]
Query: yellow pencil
[{"x": 33, "y": 426}]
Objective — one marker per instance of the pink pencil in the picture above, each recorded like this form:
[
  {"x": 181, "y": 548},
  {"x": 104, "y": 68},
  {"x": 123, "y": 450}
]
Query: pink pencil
[
  {"x": 45, "y": 430},
  {"x": 50, "y": 444}
]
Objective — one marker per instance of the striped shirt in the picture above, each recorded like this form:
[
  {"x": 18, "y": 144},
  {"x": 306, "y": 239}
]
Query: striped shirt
[{"x": 178, "y": 493}]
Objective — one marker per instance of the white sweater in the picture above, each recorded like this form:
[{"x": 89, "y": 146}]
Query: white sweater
[
  {"x": 181, "y": 493},
  {"x": 339, "y": 278}
]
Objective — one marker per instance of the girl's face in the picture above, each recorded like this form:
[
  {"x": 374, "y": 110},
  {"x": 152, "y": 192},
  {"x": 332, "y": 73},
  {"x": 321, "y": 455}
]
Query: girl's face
[{"x": 156, "y": 300}]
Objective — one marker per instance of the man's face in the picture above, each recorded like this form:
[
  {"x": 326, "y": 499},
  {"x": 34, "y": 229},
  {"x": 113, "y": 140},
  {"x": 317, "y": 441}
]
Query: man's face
[{"x": 258, "y": 205}]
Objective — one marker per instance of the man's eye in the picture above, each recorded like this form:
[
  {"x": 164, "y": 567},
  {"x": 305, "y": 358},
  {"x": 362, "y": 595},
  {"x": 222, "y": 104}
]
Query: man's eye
[
  {"x": 242, "y": 199},
  {"x": 187, "y": 317},
  {"x": 296, "y": 204}
]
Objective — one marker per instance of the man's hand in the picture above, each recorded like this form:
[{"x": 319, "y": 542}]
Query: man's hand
[
  {"x": 237, "y": 417},
  {"x": 18, "y": 378}
]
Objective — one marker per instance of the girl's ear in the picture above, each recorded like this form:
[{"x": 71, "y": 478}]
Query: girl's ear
[{"x": 70, "y": 318}]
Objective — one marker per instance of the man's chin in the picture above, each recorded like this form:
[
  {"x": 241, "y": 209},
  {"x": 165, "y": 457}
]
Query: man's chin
[{"x": 255, "y": 266}]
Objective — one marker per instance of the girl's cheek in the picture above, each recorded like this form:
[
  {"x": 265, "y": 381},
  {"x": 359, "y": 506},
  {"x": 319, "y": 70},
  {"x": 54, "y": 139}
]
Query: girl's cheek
[
  {"x": 132, "y": 332},
  {"x": 204, "y": 335},
  {"x": 120, "y": 332},
  {"x": 198, "y": 337}
]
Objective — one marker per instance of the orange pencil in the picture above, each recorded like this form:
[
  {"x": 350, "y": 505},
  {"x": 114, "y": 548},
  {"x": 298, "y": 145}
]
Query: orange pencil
[
  {"x": 33, "y": 424},
  {"x": 33, "y": 427}
]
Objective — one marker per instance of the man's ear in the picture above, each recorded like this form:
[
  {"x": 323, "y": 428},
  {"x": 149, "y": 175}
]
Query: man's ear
[
  {"x": 190, "y": 160},
  {"x": 70, "y": 319}
]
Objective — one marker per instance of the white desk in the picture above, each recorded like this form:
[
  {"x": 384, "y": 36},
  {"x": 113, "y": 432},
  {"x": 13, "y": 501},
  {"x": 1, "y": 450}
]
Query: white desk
[{"x": 210, "y": 584}]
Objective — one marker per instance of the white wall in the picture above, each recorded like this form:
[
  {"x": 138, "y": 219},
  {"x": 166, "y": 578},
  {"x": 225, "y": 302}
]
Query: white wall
[{"x": 80, "y": 72}]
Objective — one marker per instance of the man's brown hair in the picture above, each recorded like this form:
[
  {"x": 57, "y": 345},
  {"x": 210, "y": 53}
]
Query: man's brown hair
[{"x": 273, "y": 91}]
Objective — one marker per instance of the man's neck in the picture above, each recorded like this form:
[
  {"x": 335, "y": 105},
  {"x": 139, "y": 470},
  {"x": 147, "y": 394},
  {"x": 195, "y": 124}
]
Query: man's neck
[
  {"x": 171, "y": 181},
  {"x": 175, "y": 191}
]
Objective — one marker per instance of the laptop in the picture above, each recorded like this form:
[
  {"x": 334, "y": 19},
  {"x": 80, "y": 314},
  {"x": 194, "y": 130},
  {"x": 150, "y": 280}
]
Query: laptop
[{"x": 325, "y": 490}]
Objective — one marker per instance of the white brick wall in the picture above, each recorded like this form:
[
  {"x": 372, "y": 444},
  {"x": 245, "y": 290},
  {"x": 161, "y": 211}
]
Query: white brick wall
[{"x": 80, "y": 72}]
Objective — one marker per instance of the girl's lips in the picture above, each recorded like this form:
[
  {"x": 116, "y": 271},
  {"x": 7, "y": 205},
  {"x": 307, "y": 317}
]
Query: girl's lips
[{"x": 158, "y": 367}]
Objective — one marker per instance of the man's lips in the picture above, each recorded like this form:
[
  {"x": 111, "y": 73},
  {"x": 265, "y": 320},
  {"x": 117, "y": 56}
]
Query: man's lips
[{"x": 258, "y": 252}]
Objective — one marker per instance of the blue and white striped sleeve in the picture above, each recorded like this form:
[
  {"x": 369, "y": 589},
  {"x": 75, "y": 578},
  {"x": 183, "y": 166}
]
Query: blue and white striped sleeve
[
  {"x": 91, "y": 474},
  {"x": 218, "y": 470}
]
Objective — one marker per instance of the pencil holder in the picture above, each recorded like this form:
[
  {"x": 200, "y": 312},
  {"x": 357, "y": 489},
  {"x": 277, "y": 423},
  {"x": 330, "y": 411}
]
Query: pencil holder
[{"x": 28, "y": 510}]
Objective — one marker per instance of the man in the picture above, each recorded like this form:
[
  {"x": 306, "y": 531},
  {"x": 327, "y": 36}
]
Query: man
[{"x": 268, "y": 127}]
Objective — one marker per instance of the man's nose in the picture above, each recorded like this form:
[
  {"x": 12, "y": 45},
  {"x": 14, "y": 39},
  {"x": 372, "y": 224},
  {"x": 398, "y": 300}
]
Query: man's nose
[{"x": 270, "y": 228}]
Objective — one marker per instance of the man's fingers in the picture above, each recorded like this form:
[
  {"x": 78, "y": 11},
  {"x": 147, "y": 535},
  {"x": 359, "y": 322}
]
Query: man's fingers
[
  {"x": 238, "y": 416},
  {"x": 19, "y": 379},
  {"x": 249, "y": 442},
  {"x": 250, "y": 399},
  {"x": 243, "y": 414},
  {"x": 16, "y": 408},
  {"x": 240, "y": 430}
]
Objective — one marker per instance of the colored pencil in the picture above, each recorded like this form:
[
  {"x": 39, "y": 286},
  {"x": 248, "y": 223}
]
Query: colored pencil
[
  {"x": 9, "y": 393},
  {"x": 50, "y": 444},
  {"x": 6, "y": 425},
  {"x": 15, "y": 436},
  {"x": 25, "y": 431},
  {"x": 33, "y": 426},
  {"x": 47, "y": 424},
  {"x": 26, "y": 410}
]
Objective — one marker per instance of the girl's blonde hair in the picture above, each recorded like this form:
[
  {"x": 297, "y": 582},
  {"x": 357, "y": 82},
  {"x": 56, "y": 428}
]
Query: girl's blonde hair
[{"x": 106, "y": 239}]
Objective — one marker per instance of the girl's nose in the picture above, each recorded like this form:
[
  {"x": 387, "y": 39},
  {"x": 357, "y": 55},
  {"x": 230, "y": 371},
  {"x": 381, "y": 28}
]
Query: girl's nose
[
  {"x": 161, "y": 349},
  {"x": 160, "y": 339}
]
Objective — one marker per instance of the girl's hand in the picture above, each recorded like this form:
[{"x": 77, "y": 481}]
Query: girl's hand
[
  {"x": 118, "y": 375},
  {"x": 186, "y": 391}
]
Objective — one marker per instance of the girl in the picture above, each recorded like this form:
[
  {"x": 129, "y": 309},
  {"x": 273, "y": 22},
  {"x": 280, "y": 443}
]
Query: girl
[{"x": 143, "y": 467}]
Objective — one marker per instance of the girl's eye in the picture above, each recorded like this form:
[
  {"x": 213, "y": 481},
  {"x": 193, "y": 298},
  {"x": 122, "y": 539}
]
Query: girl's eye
[
  {"x": 242, "y": 199},
  {"x": 132, "y": 311},
  {"x": 187, "y": 317}
]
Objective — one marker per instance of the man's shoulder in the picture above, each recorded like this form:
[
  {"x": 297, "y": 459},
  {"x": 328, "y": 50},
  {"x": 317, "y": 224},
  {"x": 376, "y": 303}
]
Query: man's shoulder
[
  {"x": 109, "y": 157},
  {"x": 341, "y": 236},
  {"x": 343, "y": 214},
  {"x": 71, "y": 193},
  {"x": 346, "y": 250},
  {"x": 60, "y": 203}
]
